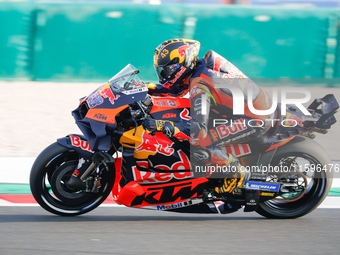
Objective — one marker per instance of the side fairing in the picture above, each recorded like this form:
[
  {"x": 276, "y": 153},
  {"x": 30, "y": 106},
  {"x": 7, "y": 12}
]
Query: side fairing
[{"x": 153, "y": 158}]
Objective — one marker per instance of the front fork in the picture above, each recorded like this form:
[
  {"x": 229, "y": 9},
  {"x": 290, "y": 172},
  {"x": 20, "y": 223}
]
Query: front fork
[
  {"x": 89, "y": 162},
  {"x": 82, "y": 179}
]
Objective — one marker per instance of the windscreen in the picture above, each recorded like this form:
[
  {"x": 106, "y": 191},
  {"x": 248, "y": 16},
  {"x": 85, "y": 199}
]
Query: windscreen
[{"x": 127, "y": 80}]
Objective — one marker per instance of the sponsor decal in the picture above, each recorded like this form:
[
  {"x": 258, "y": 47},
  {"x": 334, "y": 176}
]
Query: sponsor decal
[
  {"x": 167, "y": 103},
  {"x": 214, "y": 135},
  {"x": 106, "y": 92},
  {"x": 173, "y": 206},
  {"x": 183, "y": 50},
  {"x": 251, "y": 202},
  {"x": 181, "y": 71},
  {"x": 168, "y": 193},
  {"x": 267, "y": 194},
  {"x": 198, "y": 101},
  {"x": 77, "y": 142},
  {"x": 75, "y": 173},
  {"x": 180, "y": 136},
  {"x": 231, "y": 75},
  {"x": 185, "y": 114},
  {"x": 239, "y": 137},
  {"x": 94, "y": 100},
  {"x": 151, "y": 177},
  {"x": 100, "y": 116},
  {"x": 134, "y": 91},
  {"x": 293, "y": 120},
  {"x": 263, "y": 186},
  {"x": 169, "y": 115},
  {"x": 223, "y": 131},
  {"x": 218, "y": 64},
  {"x": 195, "y": 91},
  {"x": 152, "y": 144},
  {"x": 80, "y": 163},
  {"x": 238, "y": 149}
]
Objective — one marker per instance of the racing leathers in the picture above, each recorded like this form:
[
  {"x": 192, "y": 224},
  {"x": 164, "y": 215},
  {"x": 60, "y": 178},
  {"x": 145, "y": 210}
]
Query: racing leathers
[{"x": 213, "y": 86}]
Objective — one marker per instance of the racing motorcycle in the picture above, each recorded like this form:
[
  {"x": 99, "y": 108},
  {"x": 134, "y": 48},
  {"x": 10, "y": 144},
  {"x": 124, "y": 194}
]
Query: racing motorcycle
[{"x": 117, "y": 155}]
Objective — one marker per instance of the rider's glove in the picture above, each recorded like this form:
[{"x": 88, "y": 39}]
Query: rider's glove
[
  {"x": 153, "y": 126},
  {"x": 165, "y": 126},
  {"x": 151, "y": 87}
]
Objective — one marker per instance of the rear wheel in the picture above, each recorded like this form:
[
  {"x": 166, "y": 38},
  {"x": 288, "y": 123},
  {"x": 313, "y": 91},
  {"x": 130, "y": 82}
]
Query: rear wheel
[
  {"x": 315, "y": 176},
  {"x": 50, "y": 172}
]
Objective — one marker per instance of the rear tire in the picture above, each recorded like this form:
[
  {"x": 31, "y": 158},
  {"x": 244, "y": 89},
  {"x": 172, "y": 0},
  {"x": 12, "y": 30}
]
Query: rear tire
[
  {"x": 50, "y": 171},
  {"x": 319, "y": 184}
]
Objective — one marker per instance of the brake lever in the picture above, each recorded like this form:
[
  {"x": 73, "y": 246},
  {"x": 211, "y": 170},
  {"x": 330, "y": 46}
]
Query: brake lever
[{"x": 133, "y": 117}]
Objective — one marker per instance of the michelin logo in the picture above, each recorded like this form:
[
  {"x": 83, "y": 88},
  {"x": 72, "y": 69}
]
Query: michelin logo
[{"x": 263, "y": 186}]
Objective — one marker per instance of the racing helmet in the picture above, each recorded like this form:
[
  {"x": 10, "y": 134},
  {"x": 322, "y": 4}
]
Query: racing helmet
[{"x": 174, "y": 60}]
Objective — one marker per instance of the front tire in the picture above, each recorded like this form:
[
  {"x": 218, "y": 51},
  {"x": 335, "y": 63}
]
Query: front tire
[{"x": 49, "y": 174}]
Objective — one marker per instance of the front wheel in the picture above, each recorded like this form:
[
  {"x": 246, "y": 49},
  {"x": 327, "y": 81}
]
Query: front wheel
[
  {"x": 315, "y": 172},
  {"x": 50, "y": 172}
]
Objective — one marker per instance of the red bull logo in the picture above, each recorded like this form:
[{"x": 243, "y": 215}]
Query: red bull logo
[
  {"x": 293, "y": 120},
  {"x": 219, "y": 63},
  {"x": 183, "y": 50},
  {"x": 106, "y": 92},
  {"x": 157, "y": 144}
]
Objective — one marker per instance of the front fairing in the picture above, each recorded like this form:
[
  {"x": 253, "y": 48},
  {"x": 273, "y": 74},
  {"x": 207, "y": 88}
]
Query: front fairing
[
  {"x": 97, "y": 112},
  {"x": 104, "y": 104}
]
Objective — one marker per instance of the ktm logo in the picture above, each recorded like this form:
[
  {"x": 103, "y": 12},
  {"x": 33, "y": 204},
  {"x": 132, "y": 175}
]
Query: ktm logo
[
  {"x": 179, "y": 191},
  {"x": 100, "y": 116},
  {"x": 169, "y": 115}
]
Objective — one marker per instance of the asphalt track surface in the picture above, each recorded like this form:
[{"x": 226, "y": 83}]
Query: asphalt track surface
[{"x": 117, "y": 230}]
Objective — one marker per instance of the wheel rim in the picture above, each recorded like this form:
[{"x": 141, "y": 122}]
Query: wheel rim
[
  {"x": 316, "y": 184},
  {"x": 57, "y": 195},
  {"x": 293, "y": 196}
]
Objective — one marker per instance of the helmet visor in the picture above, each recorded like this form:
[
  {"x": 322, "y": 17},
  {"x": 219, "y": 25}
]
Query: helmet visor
[{"x": 165, "y": 73}]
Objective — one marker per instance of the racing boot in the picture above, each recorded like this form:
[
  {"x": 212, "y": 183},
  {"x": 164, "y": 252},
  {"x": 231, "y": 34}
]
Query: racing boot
[{"x": 235, "y": 176}]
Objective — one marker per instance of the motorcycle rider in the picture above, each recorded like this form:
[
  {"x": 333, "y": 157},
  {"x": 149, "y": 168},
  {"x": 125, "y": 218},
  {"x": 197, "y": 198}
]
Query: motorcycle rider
[{"x": 209, "y": 81}]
